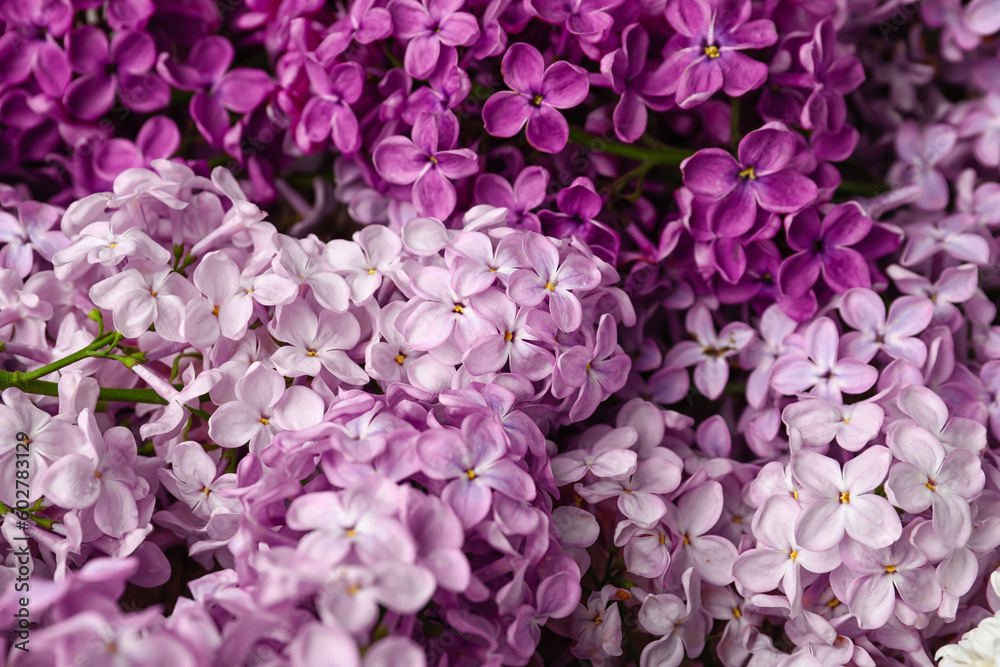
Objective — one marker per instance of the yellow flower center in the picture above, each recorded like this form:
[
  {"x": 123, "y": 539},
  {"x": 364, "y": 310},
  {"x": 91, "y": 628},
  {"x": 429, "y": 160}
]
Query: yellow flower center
[
  {"x": 350, "y": 532},
  {"x": 113, "y": 245},
  {"x": 736, "y": 612},
  {"x": 748, "y": 173},
  {"x": 507, "y": 336},
  {"x": 845, "y": 497},
  {"x": 371, "y": 272},
  {"x": 793, "y": 554},
  {"x": 265, "y": 421},
  {"x": 550, "y": 286},
  {"x": 400, "y": 358},
  {"x": 712, "y": 51},
  {"x": 312, "y": 353},
  {"x": 459, "y": 308},
  {"x": 537, "y": 100},
  {"x": 890, "y": 568},
  {"x": 215, "y": 311},
  {"x": 471, "y": 474}
]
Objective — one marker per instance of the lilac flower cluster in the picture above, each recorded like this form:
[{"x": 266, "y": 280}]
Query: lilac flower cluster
[{"x": 608, "y": 331}]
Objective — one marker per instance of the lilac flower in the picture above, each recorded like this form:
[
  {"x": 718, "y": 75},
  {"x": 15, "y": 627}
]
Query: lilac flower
[
  {"x": 475, "y": 265},
  {"x": 536, "y": 93},
  {"x": 315, "y": 342},
  {"x": 103, "y": 478},
  {"x": 984, "y": 124},
  {"x": 261, "y": 400},
  {"x": 957, "y": 284},
  {"x": 430, "y": 25},
  {"x": 28, "y": 233},
  {"x": 431, "y": 319},
  {"x": 627, "y": 68},
  {"x": 955, "y": 234},
  {"x": 372, "y": 255},
  {"x": 558, "y": 281},
  {"x": 884, "y": 572},
  {"x": 825, "y": 248},
  {"x": 816, "y": 366},
  {"x": 762, "y": 352},
  {"x": 705, "y": 53},
  {"x": 696, "y": 513},
  {"x": 193, "y": 479},
  {"x": 639, "y": 494},
  {"x": 708, "y": 352},
  {"x": 474, "y": 461},
  {"x": 929, "y": 412},
  {"x": 814, "y": 422},
  {"x": 361, "y": 520},
  {"x": 49, "y": 441},
  {"x": 926, "y": 477},
  {"x": 513, "y": 343},
  {"x": 833, "y": 75},
  {"x": 895, "y": 335},
  {"x": 778, "y": 559},
  {"x": 837, "y": 502},
  {"x": 428, "y": 164},
  {"x": 597, "y": 370},
  {"x": 363, "y": 24},
  {"x": 138, "y": 299},
  {"x": 764, "y": 176},
  {"x": 527, "y": 194},
  {"x": 919, "y": 153}
]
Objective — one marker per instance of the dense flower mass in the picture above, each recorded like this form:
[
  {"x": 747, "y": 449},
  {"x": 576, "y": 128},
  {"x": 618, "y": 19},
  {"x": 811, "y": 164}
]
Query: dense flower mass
[{"x": 524, "y": 332}]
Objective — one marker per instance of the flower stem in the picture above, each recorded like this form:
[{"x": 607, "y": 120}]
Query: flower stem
[
  {"x": 111, "y": 394},
  {"x": 664, "y": 155}
]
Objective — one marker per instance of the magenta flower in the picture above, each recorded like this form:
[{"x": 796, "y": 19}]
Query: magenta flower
[
  {"x": 708, "y": 352},
  {"x": 837, "y": 502},
  {"x": 588, "y": 20},
  {"x": 705, "y": 53},
  {"x": 124, "y": 64},
  {"x": 627, "y": 68},
  {"x": 430, "y": 25},
  {"x": 814, "y": 366},
  {"x": 824, "y": 248},
  {"x": 919, "y": 154},
  {"x": 536, "y": 94},
  {"x": 552, "y": 279},
  {"x": 474, "y": 463},
  {"x": 328, "y": 113},
  {"x": 158, "y": 138},
  {"x": 216, "y": 91},
  {"x": 765, "y": 176},
  {"x": 427, "y": 164}
]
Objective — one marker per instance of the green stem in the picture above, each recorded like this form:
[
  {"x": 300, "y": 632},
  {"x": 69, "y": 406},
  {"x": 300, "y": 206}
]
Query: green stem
[
  {"x": 665, "y": 155},
  {"x": 110, "y": 394},
  {"x": 79, "y": 355}
]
